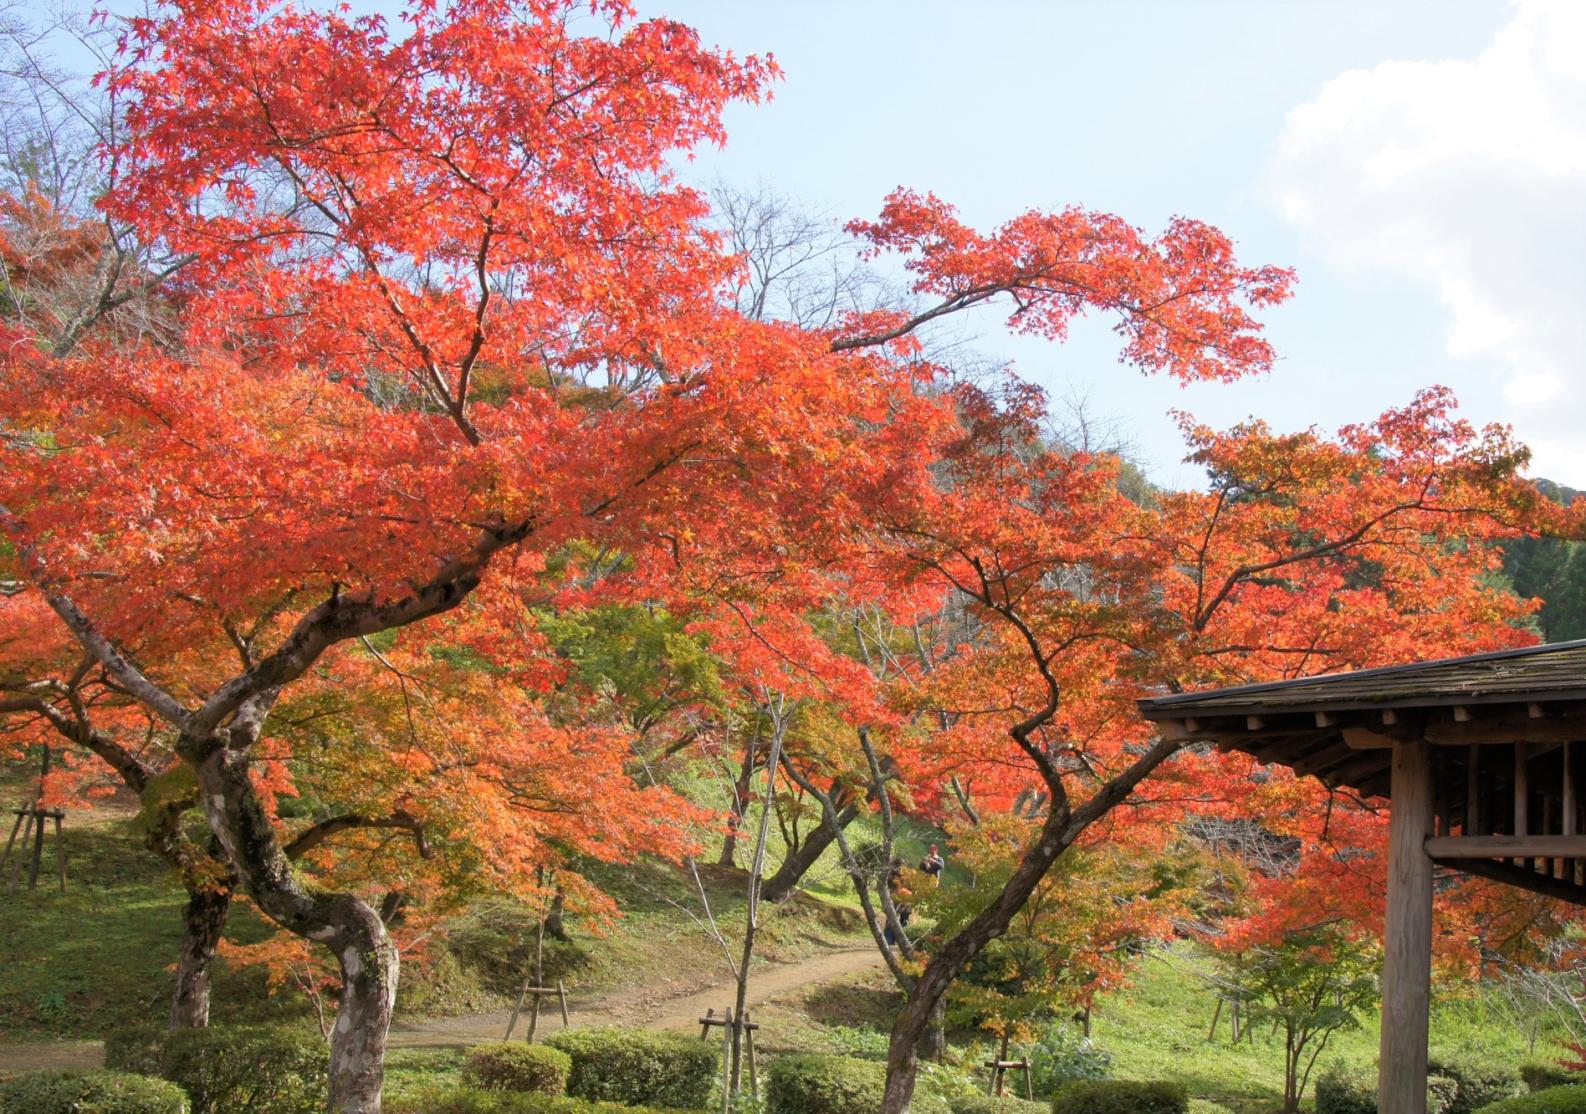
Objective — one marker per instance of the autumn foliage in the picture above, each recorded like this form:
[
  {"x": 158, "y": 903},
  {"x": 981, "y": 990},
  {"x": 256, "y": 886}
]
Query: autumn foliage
[{"x": 453, "y": 375}]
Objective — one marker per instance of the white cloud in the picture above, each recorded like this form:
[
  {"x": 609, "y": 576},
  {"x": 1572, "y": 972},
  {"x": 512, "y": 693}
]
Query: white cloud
[{"x": 1467, "y": 176}]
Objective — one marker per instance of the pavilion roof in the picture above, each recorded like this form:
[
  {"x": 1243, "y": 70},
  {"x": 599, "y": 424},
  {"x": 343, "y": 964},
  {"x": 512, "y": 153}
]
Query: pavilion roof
[
  {"x": 1328, "y": 725},
  {"x": 1551, "y": 671}
]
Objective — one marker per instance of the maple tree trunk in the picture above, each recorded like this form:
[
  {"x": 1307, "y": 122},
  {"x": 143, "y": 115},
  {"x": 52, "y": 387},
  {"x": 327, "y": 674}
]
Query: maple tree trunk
[
  {"x": 554, "y": 924},
  {"x": 933, "y": 1043},
  {"x": 798, "y": 861},
  {"x": 346, "y": 925},
  {"x": 1060, "y": 829},
  {"x": 740, "y": 804},
  {"x": 203, "y": 920}
]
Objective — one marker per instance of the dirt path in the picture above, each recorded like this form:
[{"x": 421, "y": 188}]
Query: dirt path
[
  {"x": 674, "y": 1003},
  {"x": 678, "y": 1003}
]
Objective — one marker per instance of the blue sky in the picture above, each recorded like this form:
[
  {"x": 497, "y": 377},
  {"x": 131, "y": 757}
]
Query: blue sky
[{"x": 1422, "y": 164}]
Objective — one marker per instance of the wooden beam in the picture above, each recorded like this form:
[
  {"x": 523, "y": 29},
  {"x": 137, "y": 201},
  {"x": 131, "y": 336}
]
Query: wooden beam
[
  {"x": 1507, "y": 847},
  {"x": 1521, "y": 879},
  {"x": 1507, "y": 729},
  {"x": 1319, "y": 762},
  {"x": 1326, "y": 719},
  {"x": 1254, "y": 723},
  {"x": 1407, "y": 954},
  {"x": 1371, "y": 764},
  {"x": 1461, "y": 714},
  {"x": 1389, "y": 717},
  {"x": 1364, "y": 738}
]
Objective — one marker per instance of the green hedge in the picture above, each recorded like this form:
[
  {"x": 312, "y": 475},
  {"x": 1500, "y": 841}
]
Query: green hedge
[
  {"x": 812, "y": 1084},
  {"x": 466, "y": 1100},
  {"x": 1117, "y": 1096},
  {"x": 1540, "y": 1075},
  {"x": 1479, "y": 1081},
  {"x": 1569, "y": 1099},
  {"x": 91, "y": 1092},
  {"x": 518, "y": 1067},
  {"x": 639, "y": 1067},
  {"x": 986, "y": 1104},
  {"x": 1352, "y": 1089},
  {"x": 260, "y": 1069}
]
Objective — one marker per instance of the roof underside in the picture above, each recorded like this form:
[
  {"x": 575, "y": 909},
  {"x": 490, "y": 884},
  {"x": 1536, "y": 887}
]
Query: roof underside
[{"x": 1501, "y": 728}]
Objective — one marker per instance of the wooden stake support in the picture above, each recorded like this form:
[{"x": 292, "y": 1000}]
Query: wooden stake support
[
  {"x": 1002, "y": 1065},
  {"x": 30, "y": 825},
  {"x": 559, "y": 992},
  {"x": 727, "y": 1025}
]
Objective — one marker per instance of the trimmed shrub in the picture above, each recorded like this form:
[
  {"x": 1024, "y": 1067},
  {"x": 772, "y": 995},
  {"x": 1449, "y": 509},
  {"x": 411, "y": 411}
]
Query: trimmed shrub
[
  {"x": 986, "y": 1104},
  {"x": 466, "y": 1100},
  {"x": 1118, "y": 1096},
  {"x": 518, "y": 1067},
  {"x": 261, "y": 1069},
  {"x": 135, "y": 1048},
  {"x": 1207, "y": 1106},
  {"x": 811, "y": 1084},
  {"x": 1569, "y": 1099},
  {"x": 1352, "y": 1089},
  {"x": 638, "y": 1067},
  {"x": 1540, "y": 1075},
  {"x": 1479, "y": 1081},
  {"x": 90, "y": 1092}
]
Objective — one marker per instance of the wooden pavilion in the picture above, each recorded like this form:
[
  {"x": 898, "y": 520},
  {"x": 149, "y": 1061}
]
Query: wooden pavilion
[{"x": 1478, "y": 757}]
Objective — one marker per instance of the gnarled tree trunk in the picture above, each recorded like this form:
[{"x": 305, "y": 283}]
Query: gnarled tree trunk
[
  {"x": 341, "y": 922},
  {"x": 203, "y": 920},
  {"x": 799, "y": 860}
]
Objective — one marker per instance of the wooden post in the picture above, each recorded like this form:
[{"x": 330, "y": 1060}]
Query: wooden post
[
  {"x": 60, "y": 850},
  {"x": 1571, "y": 822},
  {"x": 1473, "y": 790},
  {"x": 10, "y": 843},
  {"x": 748, "y": 1041},
  {"x": 26, "y": 817},
  {"x": 1522, "y": 797},
  {"x": 38, "y": 849},
  {"x": 561, "y": 994},
  {"x": 726, "y": 1063},
  {"x": 1407, "y": 956}
]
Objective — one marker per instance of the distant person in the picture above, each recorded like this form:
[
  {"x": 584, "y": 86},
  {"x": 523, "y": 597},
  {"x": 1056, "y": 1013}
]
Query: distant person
[{"x": 933, "y": 863}]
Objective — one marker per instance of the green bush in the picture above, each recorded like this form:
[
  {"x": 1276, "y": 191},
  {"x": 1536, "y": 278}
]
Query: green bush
[
  {"x": 858, "y": 1041},
  {"x": 1117, "y": 1096},
  {"x": 1352, "y": 1089},
  {"x": 639, "y": 1067},
  {"x": 465, "y": 1100},
  {"x": 1540, "y": 1075},
  {"x": 90, "y": 1092},
  {"x": 1207, "y": 1106},
  {"x": 1568, "y": 1099},
  {"x": 1480, "y": 1082},
  {"x": 518, "y": 1067},
  {"x": 261, "y": 1069},
  {"x": 1065, "y": 1055},
  {"x": 986, "y": 1104},
  {"x": 809, "y": 1084}
]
